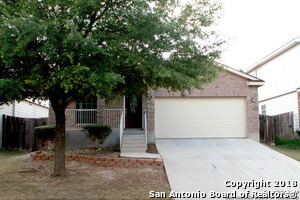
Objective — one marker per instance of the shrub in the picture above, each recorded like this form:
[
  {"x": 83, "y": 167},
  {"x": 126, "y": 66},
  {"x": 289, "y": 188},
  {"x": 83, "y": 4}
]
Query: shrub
[
  {"x": 46, "y": 135},
  {"x": 278, "y": 141},
  {"x": 98, "y": 132},
  {"x": 46, "y": 132},
  {"x": 289, "y": 144}
]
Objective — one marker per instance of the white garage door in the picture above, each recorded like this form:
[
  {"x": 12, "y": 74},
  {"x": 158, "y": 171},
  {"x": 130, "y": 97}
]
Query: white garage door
[{"x": 199, "y": 117}]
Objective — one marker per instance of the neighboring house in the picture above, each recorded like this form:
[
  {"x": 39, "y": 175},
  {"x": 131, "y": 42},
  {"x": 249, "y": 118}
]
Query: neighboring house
[
  {"x": 281, "y": 72},
  {"x": 227, "y": 107},
  {"x": 26, "y": 109}
]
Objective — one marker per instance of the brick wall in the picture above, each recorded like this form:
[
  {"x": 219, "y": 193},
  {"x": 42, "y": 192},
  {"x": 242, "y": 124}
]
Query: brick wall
[
  {"x": 103, "y": 161},
  {"x": 101, "y": 104},
  {"x": 227, "y": 85},
  {"x": 116, "y": 104}
]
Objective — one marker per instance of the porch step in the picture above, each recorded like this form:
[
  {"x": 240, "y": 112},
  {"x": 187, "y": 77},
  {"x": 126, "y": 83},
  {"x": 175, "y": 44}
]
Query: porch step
[
  {"x": 133, "y": 150},
  {"x": 133, "y": 132},
  {"x": 133, "y": 141},
  {"x": 133, "y": 146}
]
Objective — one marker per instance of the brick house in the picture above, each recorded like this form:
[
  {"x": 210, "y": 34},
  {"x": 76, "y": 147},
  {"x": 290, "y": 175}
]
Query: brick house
[{"x": 227, "y": 107}]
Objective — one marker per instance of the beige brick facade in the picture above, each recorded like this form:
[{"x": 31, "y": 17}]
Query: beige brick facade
[
  {"x": 227, "y": 85},
  {"x": 101, "y": 104}
]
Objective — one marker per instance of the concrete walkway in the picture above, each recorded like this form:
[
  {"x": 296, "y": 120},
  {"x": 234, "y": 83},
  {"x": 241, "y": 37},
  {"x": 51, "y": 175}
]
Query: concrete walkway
[
  {"x": 139, "y": 155},
  {"x": 194, "y": 165}
]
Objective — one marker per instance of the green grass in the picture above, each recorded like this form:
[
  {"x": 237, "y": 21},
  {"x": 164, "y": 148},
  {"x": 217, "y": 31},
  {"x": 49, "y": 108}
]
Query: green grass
[
  {"x": 289, "y": 148},
  {"x": 289, "y": 144},
  {"x": 5, "y": 154}
]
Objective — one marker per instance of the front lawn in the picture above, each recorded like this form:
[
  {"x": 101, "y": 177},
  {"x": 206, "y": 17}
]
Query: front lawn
[
  {"x": 5, "y": 154},
  {"x": 22, "y": 178},
  {"x": 290, "y": 148}
]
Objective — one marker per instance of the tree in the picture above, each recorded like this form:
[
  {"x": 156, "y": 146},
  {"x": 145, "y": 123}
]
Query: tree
[{"x": 67, "y": 50}]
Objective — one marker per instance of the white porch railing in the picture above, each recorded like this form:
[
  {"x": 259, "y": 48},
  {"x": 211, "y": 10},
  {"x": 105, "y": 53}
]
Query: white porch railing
[
  {"x": 146, "y": 129},
  {"x": 112, "y": 117},
  {"x": 76, "y": 119},
  {"x": 121, "y": 129}
]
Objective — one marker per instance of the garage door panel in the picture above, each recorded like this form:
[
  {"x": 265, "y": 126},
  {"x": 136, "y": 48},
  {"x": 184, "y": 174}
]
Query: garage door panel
[{"x": 199, "y": 117}]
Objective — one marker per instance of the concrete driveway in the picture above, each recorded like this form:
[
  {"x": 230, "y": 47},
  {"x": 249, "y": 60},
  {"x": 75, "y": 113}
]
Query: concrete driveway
[{"x": 220, "y": 166}]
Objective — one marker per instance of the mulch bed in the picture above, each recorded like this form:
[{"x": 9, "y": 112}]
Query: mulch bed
[{"x": 152, "y": 148}]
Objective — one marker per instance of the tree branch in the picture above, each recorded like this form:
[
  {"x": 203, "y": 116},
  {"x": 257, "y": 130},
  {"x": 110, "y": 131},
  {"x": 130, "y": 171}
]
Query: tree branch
[{"x": 95, "y": 18}]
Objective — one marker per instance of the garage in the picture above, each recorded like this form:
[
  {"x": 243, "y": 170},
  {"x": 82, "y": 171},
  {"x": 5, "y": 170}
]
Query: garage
[{"x": 200, "y": 117}]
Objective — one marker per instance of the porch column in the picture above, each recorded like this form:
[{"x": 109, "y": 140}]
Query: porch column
[{"x": 100, "y": 108}]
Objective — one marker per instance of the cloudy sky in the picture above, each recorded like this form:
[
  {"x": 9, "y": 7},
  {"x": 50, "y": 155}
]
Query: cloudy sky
[{"x": 255, "y": 28}]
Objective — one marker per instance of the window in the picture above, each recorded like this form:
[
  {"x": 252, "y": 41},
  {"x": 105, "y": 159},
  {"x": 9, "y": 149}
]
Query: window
[
  {"x": 88, "y": 103},
  {"x": 86, "y": 111},
  {"x": 263, "y": 110}
]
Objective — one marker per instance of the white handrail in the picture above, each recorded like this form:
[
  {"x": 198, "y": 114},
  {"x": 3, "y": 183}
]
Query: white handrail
[
  {"x": 111, "y": 117},
  {"x": 146, "y": 129},
  {"x": 121, "y": 129},
  {"x": 78, "y": 118}
]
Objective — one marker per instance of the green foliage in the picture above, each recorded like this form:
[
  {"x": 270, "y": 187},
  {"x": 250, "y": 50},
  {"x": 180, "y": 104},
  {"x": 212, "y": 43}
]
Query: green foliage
[
  {"x": 298, "y": 131},
  {"x": 288, "y": 144},
  {"x": 278, "y": 141},
  {"x": 98, "y": 132},
  {"x": 10, "y": 90},
  {"x": 66, "y": 50},
  {"x": 45, "y": 133}
]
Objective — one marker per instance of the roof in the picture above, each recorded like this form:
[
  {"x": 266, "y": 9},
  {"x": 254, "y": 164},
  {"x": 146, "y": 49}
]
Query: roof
[
  {"x": 252, "y": 80},
  {"x": 272, "y": 55}
]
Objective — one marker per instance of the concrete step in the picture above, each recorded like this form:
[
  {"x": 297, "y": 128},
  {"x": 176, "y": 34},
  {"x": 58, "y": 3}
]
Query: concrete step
[
  {"x": 133, "y": 151},
  {"x": 139, "y": 155},
  {"x": 133, "y": 141},
  {"x": 133, "y": 136},
  {"x": 133, "y": 132},
  {"x": 133, "y": 148},
  {"x": 134, "y": 145}
]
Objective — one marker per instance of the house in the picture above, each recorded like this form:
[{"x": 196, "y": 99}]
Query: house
[
  {"x": 227, "y": 107},
  {"x": 281, "y": 71},
  {"x": 26, "y": 109}
]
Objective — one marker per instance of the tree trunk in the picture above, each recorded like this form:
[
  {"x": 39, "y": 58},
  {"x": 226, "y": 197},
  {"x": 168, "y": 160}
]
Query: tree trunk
[{"x": 60, "y": 138}]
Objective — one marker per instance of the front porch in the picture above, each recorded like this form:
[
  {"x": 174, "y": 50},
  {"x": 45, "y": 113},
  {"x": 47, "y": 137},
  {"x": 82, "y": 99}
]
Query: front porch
[
  {"x": 126, "y": 116},
  {"x": 132, "y": 141},
  {"x": 76, "y": 119}
]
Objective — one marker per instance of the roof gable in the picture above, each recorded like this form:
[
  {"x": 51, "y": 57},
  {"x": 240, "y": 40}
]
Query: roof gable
[
  {"x": 252, "y": 80},
  {"x": 274, "y": 54}
]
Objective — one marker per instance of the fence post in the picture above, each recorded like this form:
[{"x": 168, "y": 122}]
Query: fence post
[
  {"x": 278, "y": 125},
  {"x": 4, "y": 138},
  {"x": 18, "y": 132}
]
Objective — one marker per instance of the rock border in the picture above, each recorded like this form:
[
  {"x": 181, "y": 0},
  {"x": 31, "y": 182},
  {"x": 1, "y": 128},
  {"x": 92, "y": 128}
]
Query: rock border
[{"x": 103, "y": 161}]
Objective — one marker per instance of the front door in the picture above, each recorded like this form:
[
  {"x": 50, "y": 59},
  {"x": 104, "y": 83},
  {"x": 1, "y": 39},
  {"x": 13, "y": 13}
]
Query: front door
[{"x": 133, "y": 118}]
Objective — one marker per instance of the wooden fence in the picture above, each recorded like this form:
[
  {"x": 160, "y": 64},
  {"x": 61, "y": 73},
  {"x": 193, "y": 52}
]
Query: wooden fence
[
  {"x": 279, "y": 125},
  {"x": 17, "y": 132}
]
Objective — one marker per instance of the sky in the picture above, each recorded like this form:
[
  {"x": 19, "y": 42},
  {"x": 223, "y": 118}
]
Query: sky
[{"x": 255, "y": 28}]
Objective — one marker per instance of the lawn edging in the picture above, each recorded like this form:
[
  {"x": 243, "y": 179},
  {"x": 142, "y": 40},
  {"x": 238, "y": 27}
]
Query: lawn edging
[{"x": 103, "y": 161}]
